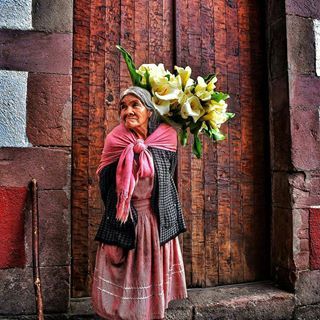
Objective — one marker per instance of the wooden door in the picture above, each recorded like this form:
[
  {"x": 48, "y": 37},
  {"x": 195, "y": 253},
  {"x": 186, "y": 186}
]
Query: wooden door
[{"x": 225, "y": 195}]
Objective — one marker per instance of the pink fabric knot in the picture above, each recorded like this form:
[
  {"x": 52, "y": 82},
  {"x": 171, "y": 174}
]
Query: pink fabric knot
[{"x": 139, "y": 146}]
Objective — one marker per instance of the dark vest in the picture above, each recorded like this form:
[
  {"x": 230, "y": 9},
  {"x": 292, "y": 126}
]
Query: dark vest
[{"x": 164, "y": 201}]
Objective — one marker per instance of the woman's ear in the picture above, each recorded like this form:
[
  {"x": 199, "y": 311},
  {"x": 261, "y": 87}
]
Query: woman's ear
[{"x": 149, "y": 113}]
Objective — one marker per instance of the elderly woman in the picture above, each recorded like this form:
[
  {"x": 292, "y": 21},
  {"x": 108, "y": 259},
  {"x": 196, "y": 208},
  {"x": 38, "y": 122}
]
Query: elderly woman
[{"x": 139, "y": 266}]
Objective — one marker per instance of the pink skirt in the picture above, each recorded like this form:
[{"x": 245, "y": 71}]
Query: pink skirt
[{"x": 139, "y": 283}]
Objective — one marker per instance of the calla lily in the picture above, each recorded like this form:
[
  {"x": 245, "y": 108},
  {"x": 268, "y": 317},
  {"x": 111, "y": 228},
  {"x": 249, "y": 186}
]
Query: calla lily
[
  {"x": 192, "y": 108},
  {"x": 162, "y": 106},
  {"x": 184, "y": 73},
  {"x": 164, "y": 89},
  {"x": 210, "y": 85},
  {"x": 220, "y": 106},
  {"x": 155, "y": 71},
  {"x": 201, "y": 91},
  {"x": 215, "y": 118}
]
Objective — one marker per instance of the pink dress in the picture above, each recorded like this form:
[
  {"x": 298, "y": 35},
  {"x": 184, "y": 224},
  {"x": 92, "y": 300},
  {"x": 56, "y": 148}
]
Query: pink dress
[{"x": 139, "y": 283}]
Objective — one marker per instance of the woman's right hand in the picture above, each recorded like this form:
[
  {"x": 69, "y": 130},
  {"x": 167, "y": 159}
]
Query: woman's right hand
[{"x": 114, "y": 254}]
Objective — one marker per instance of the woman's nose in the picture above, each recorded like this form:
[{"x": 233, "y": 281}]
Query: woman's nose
[{"x": 129, "y": 110}]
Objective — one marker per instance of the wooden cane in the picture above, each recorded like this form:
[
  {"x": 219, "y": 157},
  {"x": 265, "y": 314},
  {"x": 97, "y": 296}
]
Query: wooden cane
[{"x": 35, "y": 249}]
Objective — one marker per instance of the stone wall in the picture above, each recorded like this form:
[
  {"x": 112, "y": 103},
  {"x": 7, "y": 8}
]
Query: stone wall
[
  {"x": 294, "y": 86},
  {"x": 35, "y": 141}
]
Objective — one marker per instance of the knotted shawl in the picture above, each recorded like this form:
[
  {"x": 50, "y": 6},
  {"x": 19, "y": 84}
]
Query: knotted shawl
[{"x": 122, "y": 144}]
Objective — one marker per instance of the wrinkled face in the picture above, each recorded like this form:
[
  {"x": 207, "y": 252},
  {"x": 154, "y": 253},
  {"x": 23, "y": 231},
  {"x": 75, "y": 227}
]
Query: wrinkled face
[{"x": 133, "y": 113}]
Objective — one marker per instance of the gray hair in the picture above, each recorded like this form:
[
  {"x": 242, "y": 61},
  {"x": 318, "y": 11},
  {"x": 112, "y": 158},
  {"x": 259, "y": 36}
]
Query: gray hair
[{"x": 145, "y": 97}]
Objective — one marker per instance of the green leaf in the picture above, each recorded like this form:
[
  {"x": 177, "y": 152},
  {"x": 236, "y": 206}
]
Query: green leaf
[
  {"x": 230, "y": 115},
  {"x": 217, "y": 96},
  {"x": 197, "y": 146},
  {"x": 209, "y": 77},
  {"x": 147, "y": 75},
  {"x": 135, "y": 77},
  {"x": 217, "y": 135},
  {"x": 183, "y": 136}
]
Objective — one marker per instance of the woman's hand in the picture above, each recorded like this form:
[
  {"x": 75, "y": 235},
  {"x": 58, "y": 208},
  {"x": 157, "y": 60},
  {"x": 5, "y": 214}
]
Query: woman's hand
[{"x": 114, "y": 254}]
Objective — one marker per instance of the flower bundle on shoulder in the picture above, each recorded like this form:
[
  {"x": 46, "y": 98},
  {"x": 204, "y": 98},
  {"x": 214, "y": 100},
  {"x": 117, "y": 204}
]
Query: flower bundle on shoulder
[{"x": 191, "y": 106}]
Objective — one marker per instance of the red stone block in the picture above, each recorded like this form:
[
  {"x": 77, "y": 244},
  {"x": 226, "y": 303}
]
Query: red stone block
[
  {"x": 314, "y": 238},
  {"x": 51, "y": 167},
  {"x": 49, "y": 109},
  {"x": 304, "y": 90},
  {"x": 36, "y": 51},
  {"x": 305, "y": 8},
  {"x": 305, "y": 138},
  {"x": 12, "y": 203}
]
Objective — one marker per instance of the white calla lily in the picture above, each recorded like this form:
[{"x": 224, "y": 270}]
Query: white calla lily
[
  {"x": 193, "y": 108},
  {"x": 162, "y": 106}
]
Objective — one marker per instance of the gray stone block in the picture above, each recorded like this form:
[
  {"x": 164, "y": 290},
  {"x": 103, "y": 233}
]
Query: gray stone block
[
  {"x": 308, "y": 287},
  {"x": 307, "y": 312},
  {"x": 301, "y": 45},
  {"x": 53, "y": 15},
  {"x": 16, "y": 14},
  {"x": 248, "y": 301},
  {"x": 17, "y": 293},
  {"x": 13, "y": 96}
]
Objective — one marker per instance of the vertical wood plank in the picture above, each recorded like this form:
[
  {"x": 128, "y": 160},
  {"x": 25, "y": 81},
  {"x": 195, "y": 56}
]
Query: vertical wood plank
[
  {"x": 236, "y": 223},
  {"x": 184, "y": 153},
  {"x": 223, "y": 153},
  {"x": 80, "y": 137},
  {"x": 210, "y": 155},
  {"x": 96, "y": 121}
]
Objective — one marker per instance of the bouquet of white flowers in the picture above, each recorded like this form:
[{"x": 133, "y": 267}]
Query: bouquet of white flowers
[{"x": 189, "y": 105}]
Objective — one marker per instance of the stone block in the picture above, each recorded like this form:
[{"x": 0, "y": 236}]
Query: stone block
[
  {"x": 56, "y": 283},
  {"x": 53, "y": 15},
  {"x": 54, "y": 229},
  {"x": 315, "y": 238},
  {"x": 281, "y": 196},
  {"x": 281, "y": 140},
  {"x": 13, "y": 96},
  {"x": 304, "y": 90},
  {"x": 301, "y": 238},
  {"x": 307, "y": 312},
  {"x": 307, "y": 287},
  {"x": 304, "y": 189},
  {"x": 276, "y": 10},
  {"x": 281, "y": 238},
  {"x": 12, "y": 203},
  {"x": 279, "y": 94},
  {"x": 49, "y": 109},
  {"x": 301, "y": 45},
  {"x": 316, "y": 29},
  {"x": 36, "y": 51},
  {"x": 252, "y": 301},
  {"x": 16, "y": 14},
  {"x": 17, "y": 293},
  {"x": 50, "y": 167},
  {"x": 179, "y": 310},
  {"x": 305, "y": 133},
  {"x": 278, "y": 62},
  {"x": 306, "y": 8}
]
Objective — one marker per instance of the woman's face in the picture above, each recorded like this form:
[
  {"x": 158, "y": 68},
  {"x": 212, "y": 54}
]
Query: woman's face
[{"x": 133, "y": 113}]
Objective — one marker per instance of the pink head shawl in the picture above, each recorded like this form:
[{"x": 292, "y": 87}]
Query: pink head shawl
[{"x": 121, "y": 144}]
